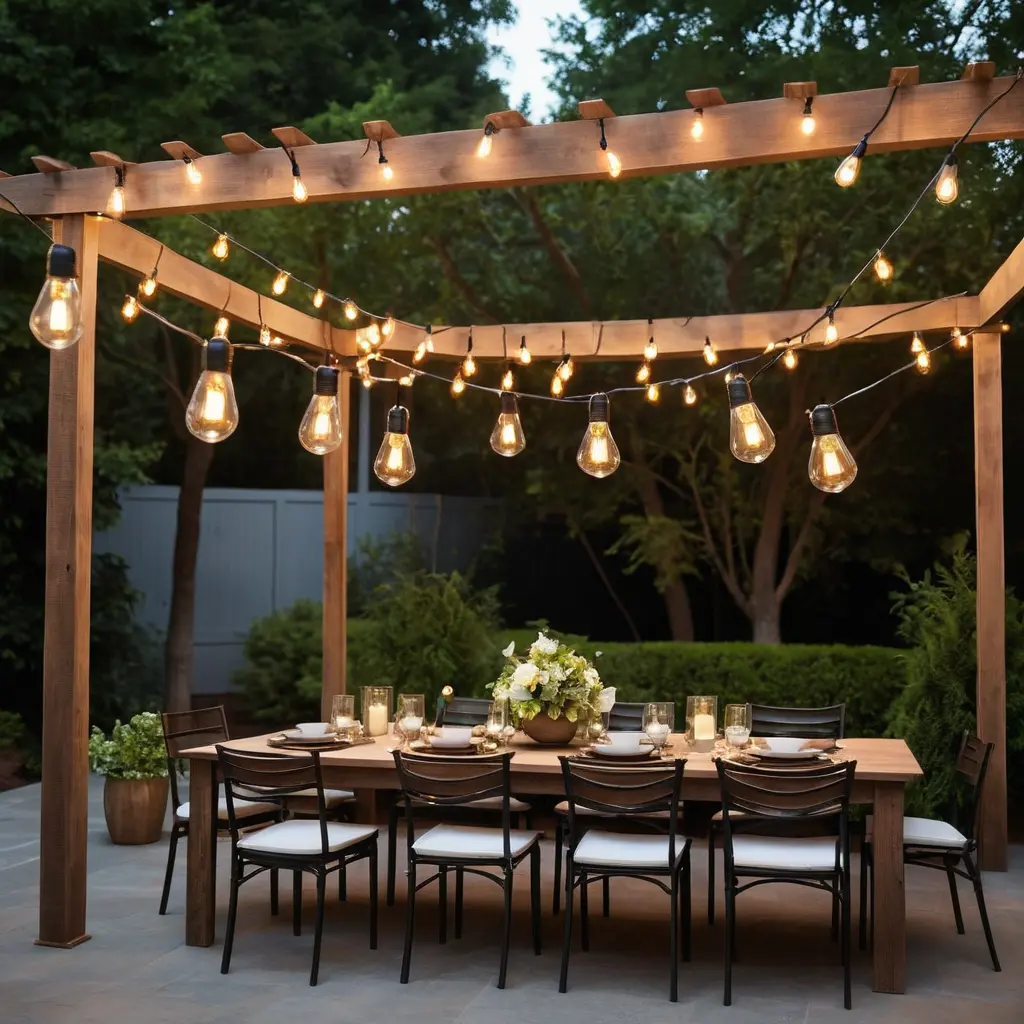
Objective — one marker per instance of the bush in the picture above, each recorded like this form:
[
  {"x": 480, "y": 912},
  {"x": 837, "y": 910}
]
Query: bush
[{"x": 135, "y": 750}]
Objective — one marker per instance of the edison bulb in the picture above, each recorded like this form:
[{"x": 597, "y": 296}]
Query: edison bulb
[
  {"x": 280, "y": 283},
  {"x": 318, "y": 298},
  {"x": 458, "y": 385},
  {"x": 697, "y": 126},
  {"x": 769, "y": 348},
  {"x": 220, "y": 247},
  {"x": 221, "y": 327},
  {"x": 883, "y": 268},
  {"x": 651, "y": 350},
  {"x": 614, "y": 163},
  {"x": 387, "y": 174},
  {"x": 924, "y": 362},
  {"x": 508, "y": 380},
  {"x": 507, "y": 437},
  {"x": 789, "y": 360},
  {"x": 351, "y": 310},
  {"x": 653, "y": 393},
  {"x": 807, "y": 124},
  {"x": 831, "y": 467},
  {"x": 710, "y": 355},
  {"x": 265, "y": 336},
  {"x": 299, "y": 191},
  {"x": 960, "y": 339},
  {"x": 192, "y": 172},
  {"x": 115, "y": 202},
  {"x": 947, "y": 188},
  {"x": 750, "y": 437},
  {"x": 689, "y": 395},
  {"x": 643, "y": 373},
  {"x": 367, "y": 382},
  {"x": 483, "y": 147},
  {"x": 916, "y": 344},
  {"x": 598, "y": 455},
  {"x": 420, "y": 352},
  {"x": 468, "y": 365},
  {"x": 566, "y": 368},
  {"x": 148, "y": 286},
  {"x": 557, "y": 387},
  {"x": 130, "y": 309},
  {"x": 525, "y": 355},
  {"x": 388, "y": 327},
  {"x": 831, "y": 332},
  {"x": 373, "y": 335},
  {"x": 395, "y": 464},
  {"x": 320, "y": 429},
  {"x": 56, "y": 317},
  {"x": 849, "y": 170},
  {"x": 212, "y": 413}
]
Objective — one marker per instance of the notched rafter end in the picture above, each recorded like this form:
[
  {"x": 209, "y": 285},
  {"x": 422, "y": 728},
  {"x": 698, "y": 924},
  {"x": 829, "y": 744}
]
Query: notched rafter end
[
  {"x": 705, "y": 97},
  {"x": 506, "y": 119},
  {"x": 592, "y": 110},
  {"x": 979, "y": 71},
  {"x": 179, "y": 150},
  {"x": 51, "y": 165},
  {"x": 799, "y": 90},
  {"x": 239, "y": 143},
  {"x": 904, "y": 76},
  {"x": 291, "y": 138},
  {"x": 104, "y": 158},
  {"x": 378, "y": 131}
]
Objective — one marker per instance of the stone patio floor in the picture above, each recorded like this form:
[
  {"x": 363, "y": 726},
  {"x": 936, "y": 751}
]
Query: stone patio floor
[{"x": 137, "y": 969}]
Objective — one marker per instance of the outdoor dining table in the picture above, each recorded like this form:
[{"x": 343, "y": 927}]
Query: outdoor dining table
[{"x": 884, "y": 767}]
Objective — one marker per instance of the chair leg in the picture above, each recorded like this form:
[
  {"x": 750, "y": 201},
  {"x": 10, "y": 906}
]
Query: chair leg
[
  {"x": 835, "y": 907},
  {"x": 535, "y": 896},
  {"x": 342, "y": 883},
  {"x": 410, "y": 921},
  {"x": 673, "y": 942},
  {"x": 296, "y": 903},
  {"x": 558, "y": 866},
  {"x": 172, "y": 848},
  {"x": 229, "y": 934},
  {"x": 506, "y": 932},
  {"x": 975, "y": 874},
  {"x": 847, "y": 993},
  {"x": 442, "y": 905},
  {"x": 372, "y": 867},
  {"x": 863, "y": 922},
  {"x": 275, "y": 906},
  {"x": 584, "y": 915},
  {"x": 460, "y": 878},
  {"x": 711, "y": 875},
  {"x": 954, "y": 895},
  {"x": 606, "y": 896},
  {"x": 730, "y": 927},
  {"x": 392, "y": 852},
  {"x": 684, "y": 892},
  {"x": 321, "y": 895},
  {"x": 563, "y": 977}
]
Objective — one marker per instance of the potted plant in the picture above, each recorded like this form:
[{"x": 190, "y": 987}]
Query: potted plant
[
  {"x": 551, "y": 690},
  {"x": 134, "y": 761}
]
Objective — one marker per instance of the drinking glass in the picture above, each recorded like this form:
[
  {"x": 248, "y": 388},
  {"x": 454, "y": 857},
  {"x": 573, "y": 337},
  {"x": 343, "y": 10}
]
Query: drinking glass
[
  {"x": 343, "y": 714},
  {"x": 497, "y": 722},
  {"x": 411, "y": 712},
  {"x": 737, "y": 724},
  {"x": 658, "y": 723}
]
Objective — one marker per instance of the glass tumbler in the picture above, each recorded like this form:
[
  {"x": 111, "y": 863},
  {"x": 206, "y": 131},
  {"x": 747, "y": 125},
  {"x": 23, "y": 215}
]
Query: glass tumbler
[
  {"x": 411, "y": 713},
  {"x": 737, "y": 724},
  {"x": 658, "y": 722},
  {"x": 343, "y": 714}
]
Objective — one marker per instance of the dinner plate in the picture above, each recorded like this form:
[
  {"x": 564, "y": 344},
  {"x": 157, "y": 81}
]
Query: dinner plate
[
  {"x": 789, "y": 755},
  {"x": 603, "y": 753},
  {"x": 294, "y": 736}
]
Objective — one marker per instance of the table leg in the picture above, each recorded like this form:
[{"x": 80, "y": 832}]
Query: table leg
[
  {"x": 201, "y": 888},
  {"x": 890, "y": 924}
]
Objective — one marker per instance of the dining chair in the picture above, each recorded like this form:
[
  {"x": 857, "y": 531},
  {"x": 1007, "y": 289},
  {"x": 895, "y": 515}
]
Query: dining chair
[
  {"x": 202, "y": 727},
  {"x": 625, "y": 792},
  {"x": 791, "y": 795},
  {"x": 465, "y": 711},
  {"x": 623, "y": 717},
  {"x": 934, "y": 843},
  {"x": 436, "y": 782},
  {"x": 827, "y": 723},
  {"x": 298, "y": 844}
]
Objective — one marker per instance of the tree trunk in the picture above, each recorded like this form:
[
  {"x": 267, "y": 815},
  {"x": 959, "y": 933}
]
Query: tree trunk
[
  {"x": 766, "y": 621},
  {"x": 680, "y": 614},
  {"x": 179, "y": 654}
]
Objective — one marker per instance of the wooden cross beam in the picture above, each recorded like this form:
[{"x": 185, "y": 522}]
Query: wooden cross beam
[
  {"x": 1004, "y": 287},
  {"x": 735, "y": 135}
]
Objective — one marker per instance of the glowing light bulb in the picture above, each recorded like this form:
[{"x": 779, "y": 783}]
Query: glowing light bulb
[
  {"x": 849, "y": 170},
  {"x": 614, "y": 163},
  {"x": 373, "y": 335},
  {"x": 729, "y": 375},
  {"x": 458, "y": 385},
  {"x": 916, "y": 344},
  {"x": 212, "y": 413},
  {"x": 320, "y": 429},
  {"x": 750, "y": 437},
  {"x": 368, "y": 382},
  {"x": 388, "y": 327},
  {"x": 508, "y": 380},
  {"x": 960, "y": 339},
  {"x": 947, "y": 188},
  {"x": 221, "y": 327},
  {"x": 831, "y": 466},
  {"x": 395, "y": 464},
  {"x": 148, "y": 286},
  {"x": 299, "y": 192},
  {"x": 710, "y": 355},
  {"x": 56, "y": 317},
  {"x": 643, "y": 373},
  {"x": 557, "y": 387},
  {"x": 689, "y": 395},
  {"x": 924, "y": 362},
  {"x": 387, "y": 174},
  {"x": 318, "y": 298},
  {"x": 483, "y": 148},
  {"x": 220, "y": 247},
  {"x": 653, "y": 393},
  {"x": 507, "y": 437},
  {"x": 769, "y": 348},
  {"x": 566, "y": 368},
  {"x": 351, "y": 310},
  {"x": 831, "y": 331},
  {"x": 280, "y": 282},
  {"x": 598, "y": 454},
  {"x": 130, "y": 309},
  {"x": 265, "y": 336},
  {"x": 420, "y": 353},
  {"x": 115, "y": 202},
  {"x": 697, "y": 125},
  {"x": 807, "y": 124},
  {"x": 883, "y": 268},
  {"x": 525, "y": 356},
  {"x": 651, "y": 350},
  {"x": 789, "y": 360},
  {"x": 192, "y": 172},
  {"x": 468, "y": 365},
  {"x": 407, "y": 380}
]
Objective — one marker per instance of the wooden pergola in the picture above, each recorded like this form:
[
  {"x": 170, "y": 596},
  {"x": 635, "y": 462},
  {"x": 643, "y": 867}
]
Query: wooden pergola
[{"x": 250, "y": 176}]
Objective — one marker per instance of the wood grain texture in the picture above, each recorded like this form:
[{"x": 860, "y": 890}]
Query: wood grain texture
[
  {"x": 889, "y": 956},
  {"x": 178, "y": 150},
  {"x": 1003, "y": 288},
  {"x": 69, "y": 461},
  {"x": 799, "y": 90},
  {"x": 240, "y": 144},
  {"x": 506, "y": 119},
  {"x": 905, "y": 76},
  {"x": 979, "y": 71},
  {"x": 335, "y": 610},
  {"x": 379, "y": 131},
  {"x": 593, "y": 110},
  {"x": 51, "y": 165},
  {"x": 705, "y": 97},
  {"x": 759, "y": 131},
  {"x": 104, "y": 158},
  {"x": 991, "y": 640},
  {"x": 201, "y": 885},
  {"x": 291, "y": 137}
]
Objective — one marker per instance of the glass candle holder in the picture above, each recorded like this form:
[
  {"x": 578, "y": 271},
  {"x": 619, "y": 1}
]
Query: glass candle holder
[
  {"x": 411, "y": 714},
  {"x": 737, "y": 724},
  {"x": 343, "y": 713},
  {"x": 376, "y": 706},
  {"x": 658, "y": 722},
  {"x": 701, "y": 723}
]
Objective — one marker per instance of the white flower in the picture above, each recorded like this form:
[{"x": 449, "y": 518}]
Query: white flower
[
  {"x": 509, "y": 650},
  {"x": 597, "y": 654},
  {"x": 607, "y": 698},
  {"x": 544, "y": 645},
  {"x": 516, "y": 691},
  {"x": 525, "y": 674}
]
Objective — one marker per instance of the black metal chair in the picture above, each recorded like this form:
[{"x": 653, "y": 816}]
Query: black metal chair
[
  {"x": 465, "y": 711},
  {"x": 434, "y": 782},
  {"x": 767, "y": 721},
  {"x": 298, "y": 845},
  {"x": 933, "y": 843},
  {"x": 820, "y": 862},
  {"x": 184, "y": 729},
  {"x": 621, "y": 793}
]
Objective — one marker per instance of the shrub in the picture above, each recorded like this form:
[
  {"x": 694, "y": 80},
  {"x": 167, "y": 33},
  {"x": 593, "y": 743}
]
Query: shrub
[
  {"x": 134, "y": 751},
  {"x": 12, "y": 732}
]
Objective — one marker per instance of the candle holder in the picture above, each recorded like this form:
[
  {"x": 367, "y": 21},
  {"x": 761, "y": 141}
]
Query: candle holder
[
  {"x": 376, "y": 708},
  {"x": 343, "y": 714},
  {"x": 701, "y": 723}
]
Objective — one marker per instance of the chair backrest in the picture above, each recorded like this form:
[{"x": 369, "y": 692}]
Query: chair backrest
[
  {"x": 828, "y": 723},
  {"x": 623, "y": 790},
  {"x": 275, "y": 776},
  {"x": 185, "y": 729},
  {"x": 435, "y": 780},
  {"x": 818, "y": 790},
  {"x": 463, "y": 711},
  {"x": 629, "y": 717},
  {"x": 972, "y": 764}
]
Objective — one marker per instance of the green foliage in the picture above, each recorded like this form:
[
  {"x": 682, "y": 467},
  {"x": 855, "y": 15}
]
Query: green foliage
[
  {"x": 378, "y": 562},
  {"x": 938, "y": 622},
  {"x": 135, "y": 750},
  {"x": 12, "y": 731}
]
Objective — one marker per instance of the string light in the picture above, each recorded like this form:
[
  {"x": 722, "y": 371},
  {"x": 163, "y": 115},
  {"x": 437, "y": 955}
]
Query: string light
[
  {"x": 689, "y": 395},
  {"x": 265, "y": 336},
  {"x": 643, "y": 373},
  {"x": 220, "y": 247},
  {"x": 368, "y": 382},
  {"x": 458, "y": 384},
  {"x": 56, "y": 317},
  {"x": 924, "y": 361},
  {"x": 651, "y": 350},
  {"x": 407, "y": 380},
  {"x": 130, "y": 309},
  {"x": 115, "y": 201},
  {"x": 385, "y": 168},
  {"x": 469, "y": 363},
  {"x": 318, "y": 298},
  {"x": 750, "y": 437},
  {"x": 697, "y": 124},
  {"x": 221, "y": 327},
  {"x": 508, "y": 381},
  {"x": 883, "y": 268},
  {"x": 614, "y": 163},
  {"x": 299, "y": 192},
  {"x": 387, "y": 328},
  {"x": 831, "y": 331},
  {"x": 916, "y": 344},
  {"x": 212, "y": 413},
  {"x": 598, "y": 454},
  {"x": 849, "y": 170},
  {"x": 507, "y": 437},
  {"x": 729, "y": 375},
  {"x": 557, "y": 387},
  {"x": 148, "y": 286},
  {"x": 395, "y": 464},
  {"x": 653, "y": 393},
  {"x": 320, "y": 429},
  {"x": 280, "y": 282},
  {"x": 947, "y": 188},
  {"x": 483, "y": 148},
  {"x": 192, "y": 172},
  {"x": 525, "y": 356},
  {"x": 769, "y": 348},
  {"x": 566, "y": 368},
  {"x": 807, "y": 124},
  {"x": 831, "y": 467},
  {"x": 425, "y": 345},
  {"x": 710, "y": 355},
  {"x": 351, "y": 310},
  {"x": 789, "y": 360},
  {"x": 959, "y": 339}
]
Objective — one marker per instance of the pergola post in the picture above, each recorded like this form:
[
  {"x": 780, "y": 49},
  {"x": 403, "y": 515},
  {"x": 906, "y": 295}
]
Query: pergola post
[
  {"x": 69, "y": 457},
  {"x": 336, "y": 556},
  {"x": 991, "y": 587}
]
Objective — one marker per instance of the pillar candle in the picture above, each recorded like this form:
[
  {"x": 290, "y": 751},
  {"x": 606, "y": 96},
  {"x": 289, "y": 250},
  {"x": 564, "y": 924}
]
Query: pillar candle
[
  {"x": 376, "y": 720},
  {"x": 703, "y": 727}
]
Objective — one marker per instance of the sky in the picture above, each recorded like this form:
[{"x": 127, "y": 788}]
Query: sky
[{"x": 523, "y": 42}]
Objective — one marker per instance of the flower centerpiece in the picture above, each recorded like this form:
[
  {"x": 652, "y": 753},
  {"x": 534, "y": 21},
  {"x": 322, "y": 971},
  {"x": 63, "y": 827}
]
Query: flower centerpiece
[{"x": 551, "y": 689}]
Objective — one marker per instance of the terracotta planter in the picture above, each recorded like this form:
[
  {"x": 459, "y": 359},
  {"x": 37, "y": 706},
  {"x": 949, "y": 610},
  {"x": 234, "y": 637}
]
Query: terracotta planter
[
  {"x": 134, "y": 809},
  {"x": 551, "y": 732}
]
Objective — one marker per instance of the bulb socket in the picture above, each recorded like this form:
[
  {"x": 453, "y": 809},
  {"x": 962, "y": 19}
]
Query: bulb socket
[
  {"x": 326, "y": 381},
  {"x": 218, "y": 355},
  {"x": 950, "y": 160},
  {"x": 61, "y": 261},
  {"x": 861, "y": 148},
  {"x": 398, "y": 420},
  {"x": 508, "y": 403},
  {"x": 739, "y": 391},
  {"x": 599, "y": 409},
  {"x": 823, "y": 421}
]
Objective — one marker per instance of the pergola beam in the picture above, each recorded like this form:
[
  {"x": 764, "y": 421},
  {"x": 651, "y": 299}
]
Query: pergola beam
[
  {"x": 736, "y": 135},
  {"x": 1004, "y": 287}
]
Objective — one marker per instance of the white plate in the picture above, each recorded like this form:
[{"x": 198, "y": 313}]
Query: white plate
[
  {"x": 603, "y": 750},
  {"x": 789, "y": 755},
  {"x": 295, "y": 736}
]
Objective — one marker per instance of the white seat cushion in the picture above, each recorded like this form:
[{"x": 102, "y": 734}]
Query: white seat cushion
[
  {"x": 563, "y": 809},
  {"x": 619, "y": 850},
  {"x": 733, "y": 815},
  {"x": 488, "y": 803},
  {"x": 303, "y": 837},
  {"x": 926, "y": 832},
  {"x": 779, "y": 853},
  {"x": 332, "y": 797},
  {"x": 465, "y": 842},
  {"x": 243, "y": 808}
]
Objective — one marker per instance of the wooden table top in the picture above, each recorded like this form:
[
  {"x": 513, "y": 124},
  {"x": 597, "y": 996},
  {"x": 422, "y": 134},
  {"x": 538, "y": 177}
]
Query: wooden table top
[{"x": 878, "y": 760}]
